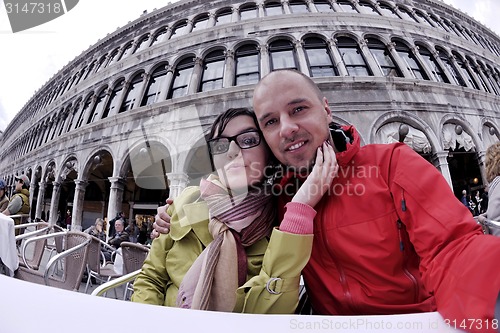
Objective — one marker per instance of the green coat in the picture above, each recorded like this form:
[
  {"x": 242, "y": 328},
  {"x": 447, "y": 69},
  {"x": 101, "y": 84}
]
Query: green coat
[{"x": 171, "y": 256}]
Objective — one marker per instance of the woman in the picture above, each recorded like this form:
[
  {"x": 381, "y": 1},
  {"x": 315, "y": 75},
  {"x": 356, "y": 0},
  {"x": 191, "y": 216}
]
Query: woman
[
  {"x": 4, "y": 199},
  {"x": 492, "y": 166},
  {"x": 97, "y": 230},
  {"x": 218, "y": 254}
]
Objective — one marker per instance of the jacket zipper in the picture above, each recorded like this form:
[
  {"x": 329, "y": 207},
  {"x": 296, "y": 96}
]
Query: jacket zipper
[{"x": 402, "y": 249}]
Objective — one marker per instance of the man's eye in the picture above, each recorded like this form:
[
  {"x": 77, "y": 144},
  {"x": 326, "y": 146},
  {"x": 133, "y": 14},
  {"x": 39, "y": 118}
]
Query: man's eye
[
  {"x": 298, "y": 109},
  {"x": 269, "y": 122}
]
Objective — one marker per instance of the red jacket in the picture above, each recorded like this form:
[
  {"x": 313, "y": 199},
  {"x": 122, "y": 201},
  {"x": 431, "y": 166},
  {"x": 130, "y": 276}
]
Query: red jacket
[{"x": 390, "y": 237}]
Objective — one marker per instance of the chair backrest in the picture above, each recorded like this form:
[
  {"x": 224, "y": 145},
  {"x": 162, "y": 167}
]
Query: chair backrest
[
  {"x": 58, "y": 241},
  {"x": 94, "y": 257},
  {"x": 133, "y": 256},
  {"x": 74, "y": 263},
  {"x": 38, "y": 250}
]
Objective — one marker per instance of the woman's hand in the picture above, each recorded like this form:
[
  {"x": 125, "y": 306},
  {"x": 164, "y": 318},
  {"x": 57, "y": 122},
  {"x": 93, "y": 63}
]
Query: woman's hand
[
  {"x": 162, "y": 221},
  {"x": 320, "y": 178}
]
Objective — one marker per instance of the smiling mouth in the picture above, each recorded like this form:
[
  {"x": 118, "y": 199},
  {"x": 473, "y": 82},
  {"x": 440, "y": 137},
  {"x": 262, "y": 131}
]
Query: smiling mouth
[{"x": 295, "y": 146}]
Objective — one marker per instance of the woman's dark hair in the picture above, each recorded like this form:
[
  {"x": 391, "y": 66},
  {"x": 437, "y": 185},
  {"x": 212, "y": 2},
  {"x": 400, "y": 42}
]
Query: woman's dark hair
[{"x": 224, "y": 118}]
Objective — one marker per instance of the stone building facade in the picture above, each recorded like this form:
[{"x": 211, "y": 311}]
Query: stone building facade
[{"x": 122, "y": 126}]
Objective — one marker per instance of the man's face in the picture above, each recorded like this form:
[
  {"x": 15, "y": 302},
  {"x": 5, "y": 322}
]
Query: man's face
[
  {"x": 119, "y": 226},
  {"x": 292, "y": 117}
]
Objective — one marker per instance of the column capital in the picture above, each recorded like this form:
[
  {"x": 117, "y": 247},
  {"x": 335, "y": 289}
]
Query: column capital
[{"x": 81, "y": 184}]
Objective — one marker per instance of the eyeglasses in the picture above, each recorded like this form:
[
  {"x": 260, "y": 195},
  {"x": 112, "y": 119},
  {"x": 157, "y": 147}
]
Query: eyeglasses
[{"x": 244, "y": 140}]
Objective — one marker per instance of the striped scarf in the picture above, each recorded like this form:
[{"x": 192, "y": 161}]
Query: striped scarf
[{"x": 235, "y": 222}]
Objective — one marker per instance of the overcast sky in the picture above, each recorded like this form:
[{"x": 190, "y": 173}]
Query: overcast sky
[{"x": 30, "y": 58}]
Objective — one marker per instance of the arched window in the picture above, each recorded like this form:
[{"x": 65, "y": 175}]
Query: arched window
[
  {"x": 248, "y": 12},
  {"x": 132, "y": 93},
  {"x": 100, "y": 63},
  {"x": 490, "y": 73},
  {"x": 114, "y": 99},
  {"x": 182, "y": 75},
  {"x": 406, "y": 15},
  {"x": 127, "y": 50},
  {"x": 89, "y": 70},
  {"x": 347, "y": 6},
  {"x": 159, "y": 37},
  {"x": 98, "y": 106},
  {"x": 298, "y": 7},
  {"x": 383, "y": 58},
  {"x": 353, "y": 59},
  {"x": 281, "y": 53},
  {"x": 247, "y": 65},
  {"x": 367, "y": 8},
  {"x": 437, "y": 71},
  {"x": 475, "y": 68},
  {"x": 213, "y": 71},
  {"x": 73, "y": 114},
  {"x": 465, "y": 71},
  {"x": 323, "y": 6},
  {"x": 411, "y": 62},
  {"x": 449, "y": 66},
  {"x": 155, "y": 84},
  {"x": 273, "y": 8},
  {"x": 113, "y": 57},
  {"x": 423, "y": 18},
  {"x": 200, "y": 22},
  {"x": 142, "y": 44},
  {"x": 86, "y": 106},
  {"x": 319, "y": 58},
  {"x": 437, "y": 23},
  {"x": 223, "y": 16},
  {"x": 387, "y": 10},
  {"x": 179, "y": 29}
]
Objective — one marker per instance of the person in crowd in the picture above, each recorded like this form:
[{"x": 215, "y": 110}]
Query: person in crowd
[
  {"x": 464, "y": 199},
  {"x": 385, "y": 242},
  {"x": 67, "y": 219},
  {"x": 97, "y": 230},
  {"x": 133, "y": 231},
  {"x": 492, "y": 166},
  {"x": 118, "y": 216},
  {"x": 222, "y": 248},
  {"x": 4, "y": 199},
  {"x": 484, "y": 196},
  {"x": 20, "y": 201},
  {"x": 119, "y": 237}
]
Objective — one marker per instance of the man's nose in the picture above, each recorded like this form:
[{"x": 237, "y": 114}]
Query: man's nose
[
  {"x": 288, "y": 127},
  {"x": 233, "y": 150}
]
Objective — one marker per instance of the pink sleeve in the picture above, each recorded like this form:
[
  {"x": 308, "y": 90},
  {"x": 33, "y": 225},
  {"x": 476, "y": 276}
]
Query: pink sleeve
[{"x": 298, "y": 219}]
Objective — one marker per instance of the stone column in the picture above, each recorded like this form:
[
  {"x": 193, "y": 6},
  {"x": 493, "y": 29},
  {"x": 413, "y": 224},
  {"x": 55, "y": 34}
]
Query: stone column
[
  {"x": 167, "y": 83},
  {"x": 301, "y": 57},
  {"x": 78, "y": 200},
  {"x": 421, "y": 61},
  {"x": 54, "y": 202},
  {"x": 474, "y": 74},
  {"x": 311, "y": 6},
  {"x": 336, "y": 7},
  {"x": 481, "y": 157},
  {"x": 196, "y": 76},
  {"x": 265, "y": 66},
  {"x": 371, "y": 62},
  {"x": 337, "y": 57},
  {"x": 261, "y": 10},
  {"x": 141, "y": 90},
  {"x": 235, "y": 15},
  {"x": 115, "y": 197},
  {"x": 40, "y": 199},
  {"x": 399, "y": 63},
  {"x": 211, "y": 20},
  {"x": 440, "y": 160},
  {"x": 177, "y": 183},
  {"x": 228, "y": 79},
  {"x": 443, "y": 67},
  {"x": 286, "y": 6}
]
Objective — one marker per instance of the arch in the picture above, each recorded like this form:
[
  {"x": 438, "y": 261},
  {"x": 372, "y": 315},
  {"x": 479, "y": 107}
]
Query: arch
[
  {"x": 318, "y": 56},
  {"x": 133, "y": 91},
  {"x": 247, "y": 63},
  {"x": 223, "y": 16},
  {"x": 248, "y": 10},
  {"x": 213, "y": 70},
  {"x": 183, "y": 69},
  {"x": 200, "y": 22},
  {"x": 282, "y": 53}
]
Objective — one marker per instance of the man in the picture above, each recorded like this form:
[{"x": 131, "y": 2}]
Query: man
[
  {"x": 385, "y": 240},
  {"x": 20, "y": 201},
  {"x": 119, "y": 237}
]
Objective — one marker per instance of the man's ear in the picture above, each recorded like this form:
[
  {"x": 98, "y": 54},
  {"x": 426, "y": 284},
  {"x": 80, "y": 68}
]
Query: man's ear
[{"x": 327, "y": 109}]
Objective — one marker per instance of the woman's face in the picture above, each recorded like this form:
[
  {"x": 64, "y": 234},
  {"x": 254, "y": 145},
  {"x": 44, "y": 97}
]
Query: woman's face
[{"x": 239, "y": 168}]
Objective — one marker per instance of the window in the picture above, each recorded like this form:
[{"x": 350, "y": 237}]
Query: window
[
  {"x": 156, "y": 82},
  {"x": 213, "y": 71},
  {"x": 298, "y": 7},
  {"x": 494, "y": 84},
  {"x": 86, "y": 106},
  {"x": 159, "y": 37},
  {"x": 142, "y": 44},
  {"x": 405, "y": 13},
  {"x": 132, "y": 93},
  {"x": 423, "y": 18},
  {"x": 436, "y": 22},
  {"x": 352, "y": 57},
  {"x": 323, "y": 6},
  {"x": 449, "y": 27},
  {"x": 114, "y": 99},
  {"x": 201, "y": 22},
  {"x": 247, "y": 65},
  {"x": 273, "y": 8},
  {"x": 100, "y": 63},
  {"x": 179, "y": 29},
  {"x": 475, "y": 68},
  {"x": 387, "y": 10},
  {"x": 319, "y": 58},
  {"x": 113, "y": 57},
  {"x": 182, "y": 76},
  {"x": 346, "y": 6},
  {"x": 411, "y": 62},
  {"x": 98, "y": 107},
  {"x": 223, "y": 16},
  {"x": 383, "y": 58},
  {"x": 367, "y": 8},
  {"x": 453, "y": 71},
  {"x": 89, "y": 70},
  {"x": 248, "y": 12},
  {"x": 126, "y": 51},
  {"x": 72, "y": 114},
  {"x": 465, "y": 71},
  {"x": 282, "y": 55},
  {"x": 437, "y": 71}
]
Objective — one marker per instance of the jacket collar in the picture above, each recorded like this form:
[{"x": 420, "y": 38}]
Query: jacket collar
[{"x": 195, "y": 218}]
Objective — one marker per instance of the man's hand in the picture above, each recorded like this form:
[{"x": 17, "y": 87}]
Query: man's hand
[
  {"x": 320, "y": 179},
  {"x": 162, "y": 221}
]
